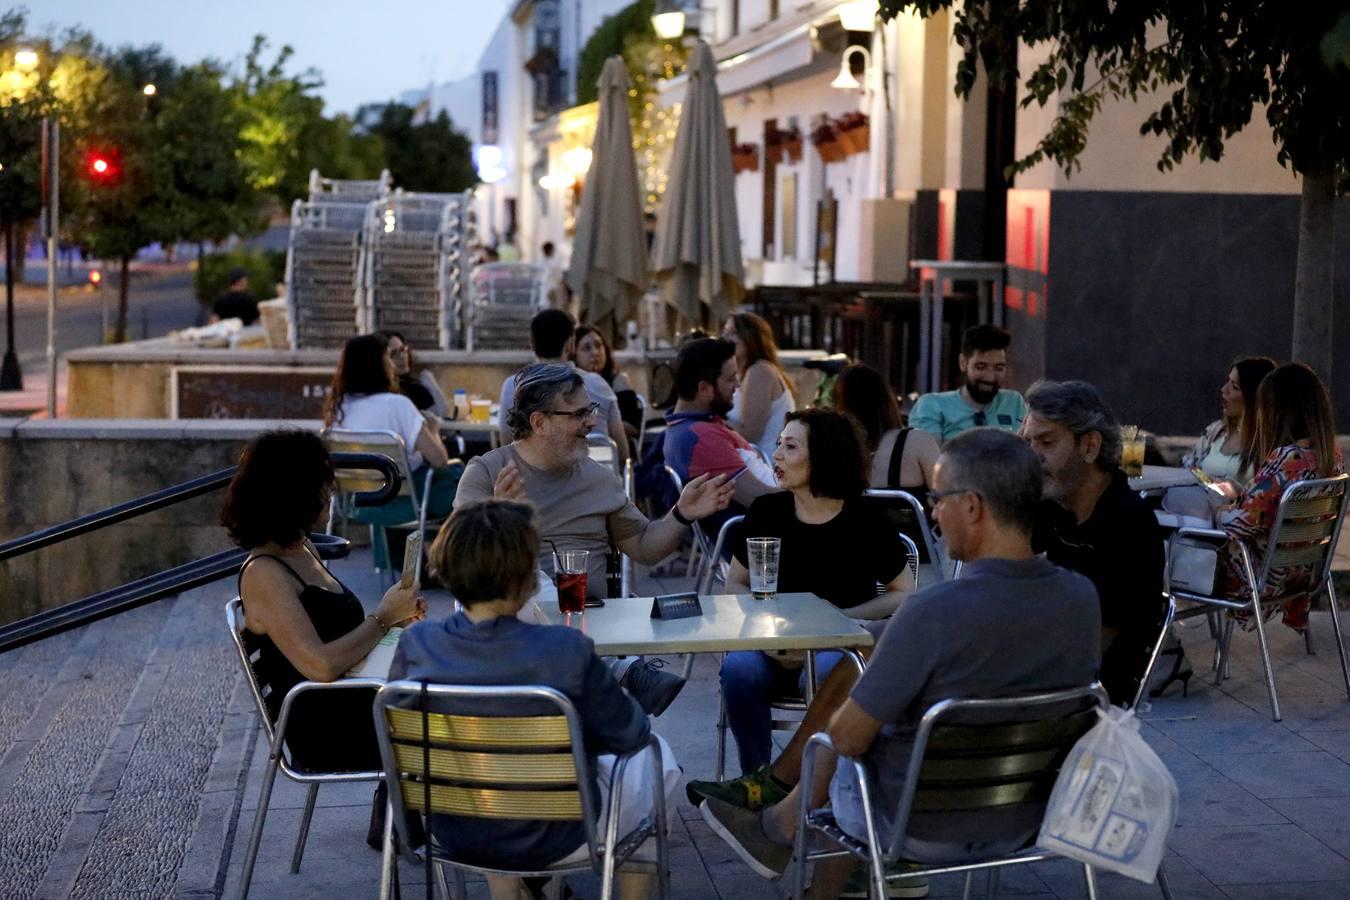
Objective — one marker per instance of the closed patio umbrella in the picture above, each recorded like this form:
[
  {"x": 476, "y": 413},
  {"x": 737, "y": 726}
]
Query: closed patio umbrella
[
  {"x": 609, "y": 252},
  {"x": 697, "y": 254}
]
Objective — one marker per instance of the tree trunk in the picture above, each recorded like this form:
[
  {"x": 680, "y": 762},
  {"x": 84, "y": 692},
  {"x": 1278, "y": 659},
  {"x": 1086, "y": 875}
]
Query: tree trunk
[
  {"x": 120, "y": 329},
  {"x": 1315, "y": 270}
]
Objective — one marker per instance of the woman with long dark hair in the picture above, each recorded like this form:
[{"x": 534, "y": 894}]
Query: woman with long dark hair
[
  {"x": 592, "y": 353},
  {"x": 902, "y": 457},
  {"x": 414, "y": 382},
  {"x": 1220, "y": 450},
  {"x": 365, "y": 397},
  {"x": 764, "y": 398},
  {"x": 1294, "y": 440}
]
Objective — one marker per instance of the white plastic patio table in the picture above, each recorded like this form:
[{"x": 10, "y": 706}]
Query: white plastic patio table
[
  {"x": 1156, "y": 478},
  {"x": 624, "y": 627}
]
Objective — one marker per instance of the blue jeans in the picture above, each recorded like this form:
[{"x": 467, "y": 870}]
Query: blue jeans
[{"x": 751, "y": 680}]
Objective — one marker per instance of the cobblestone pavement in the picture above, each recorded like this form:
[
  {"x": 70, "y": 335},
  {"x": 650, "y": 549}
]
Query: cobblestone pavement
[{"x": 130, "y": 759}]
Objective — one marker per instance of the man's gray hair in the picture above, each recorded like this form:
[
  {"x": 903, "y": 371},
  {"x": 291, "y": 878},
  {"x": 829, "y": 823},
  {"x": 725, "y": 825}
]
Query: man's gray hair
[
  {"x": 1080, "y": 408},
  {"x": 1000, "y": 467},
  {"x": 537, "y": 386}
]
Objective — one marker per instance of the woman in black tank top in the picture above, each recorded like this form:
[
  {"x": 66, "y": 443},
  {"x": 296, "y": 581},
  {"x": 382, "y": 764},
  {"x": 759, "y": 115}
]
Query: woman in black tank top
[{"x": 303, "y": 622}]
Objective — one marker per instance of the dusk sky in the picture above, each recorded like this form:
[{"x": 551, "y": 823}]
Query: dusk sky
[{"x": 367, "y": 52}]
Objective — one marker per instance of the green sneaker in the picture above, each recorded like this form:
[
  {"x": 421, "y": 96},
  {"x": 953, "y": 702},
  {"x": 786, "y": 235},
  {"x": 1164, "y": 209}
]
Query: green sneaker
[{"x": 754, "y": 791}]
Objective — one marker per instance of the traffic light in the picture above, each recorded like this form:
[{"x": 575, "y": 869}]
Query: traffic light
[{"x": 102, "y": 166}]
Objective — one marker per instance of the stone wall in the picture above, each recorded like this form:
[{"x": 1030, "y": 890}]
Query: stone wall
[{"x": 53, "y": 471}]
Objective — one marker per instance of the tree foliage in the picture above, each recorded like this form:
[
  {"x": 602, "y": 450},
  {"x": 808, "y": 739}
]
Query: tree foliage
[{"x": 431, "y": 156}]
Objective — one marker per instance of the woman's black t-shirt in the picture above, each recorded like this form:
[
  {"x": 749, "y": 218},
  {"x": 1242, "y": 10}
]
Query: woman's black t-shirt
[{"x": 842, "y": 560}]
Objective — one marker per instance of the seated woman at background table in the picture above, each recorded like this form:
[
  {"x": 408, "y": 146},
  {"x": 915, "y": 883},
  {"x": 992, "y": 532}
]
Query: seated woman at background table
[
  {"x": 415, "y": 383},
  {"x": 902, "y": 457},
  {"x": 487, "y": 554},
  {"x": 306, "y": 624},
  {"x": 593, "y": 354},
  {"x": 365, "y": 396},
  {"x": 1220, "y": 449},
  {"x": 1295, "y": 441},
  {"x": 764, "y": 397},
  {"x": 832, "y": 545}
]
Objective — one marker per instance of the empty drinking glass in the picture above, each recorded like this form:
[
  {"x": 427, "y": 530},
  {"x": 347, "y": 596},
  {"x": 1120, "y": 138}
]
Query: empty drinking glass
[{"x": 762, "y": 555}]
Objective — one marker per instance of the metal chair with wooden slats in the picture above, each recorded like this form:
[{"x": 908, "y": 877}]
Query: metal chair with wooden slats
[
  {"x": 278, "y": 759},
  {"x": 969, "y": 756},
  {"x": 350, "y": 481},
  {"x": 505, "y": 767},
  {"x": 1307, "y": 526}
]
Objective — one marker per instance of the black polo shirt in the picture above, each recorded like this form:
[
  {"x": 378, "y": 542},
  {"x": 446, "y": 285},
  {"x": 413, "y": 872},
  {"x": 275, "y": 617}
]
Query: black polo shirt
[{"x": 1120, "y": 549}]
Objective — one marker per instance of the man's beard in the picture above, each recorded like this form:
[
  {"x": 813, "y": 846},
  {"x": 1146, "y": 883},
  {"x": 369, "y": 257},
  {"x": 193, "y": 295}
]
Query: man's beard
[
  {"x": 981, "y": 392},
  {"x": 719, "y": 407}
]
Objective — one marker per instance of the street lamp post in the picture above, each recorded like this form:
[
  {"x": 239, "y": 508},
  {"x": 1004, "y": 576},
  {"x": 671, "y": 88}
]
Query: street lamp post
[
  {"x": 11, "y": 373},
  {"x": 51, "y": 191}
]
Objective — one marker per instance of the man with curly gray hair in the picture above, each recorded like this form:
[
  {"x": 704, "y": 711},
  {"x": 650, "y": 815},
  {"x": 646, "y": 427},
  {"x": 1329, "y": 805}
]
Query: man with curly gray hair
[{"x": 1096, "y": 524}]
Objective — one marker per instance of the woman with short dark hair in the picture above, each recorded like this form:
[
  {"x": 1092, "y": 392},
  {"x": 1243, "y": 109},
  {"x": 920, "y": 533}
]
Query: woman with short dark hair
[
  {"x": 306, "y": 623},
  {"x": 832, "y": 545}
]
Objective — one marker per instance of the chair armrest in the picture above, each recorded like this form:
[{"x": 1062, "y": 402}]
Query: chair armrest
[{"x": 1207, "y": 534}]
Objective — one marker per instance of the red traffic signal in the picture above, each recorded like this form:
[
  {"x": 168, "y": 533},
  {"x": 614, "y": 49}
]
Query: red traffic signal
[{"x": 101, "y": 166}]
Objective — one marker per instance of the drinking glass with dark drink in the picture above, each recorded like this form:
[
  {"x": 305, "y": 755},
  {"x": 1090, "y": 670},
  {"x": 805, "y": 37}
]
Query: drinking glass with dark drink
[{"x": 571, "y": 580}]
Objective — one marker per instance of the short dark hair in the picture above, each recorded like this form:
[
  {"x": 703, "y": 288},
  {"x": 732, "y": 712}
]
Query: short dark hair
[
  {"x": 1079, "y": 407},
  {"x": 983, "y": 338},
  {"x": 549, "y": 331},
  {"x": 277, "y": 491},
  {"x": 236, "y": 275},
  {"x": 1000, "y": 467},
  {"x": 487, "y": 551},
  {"x": 837, "y": 452},
  {"x": 863, "y": 393},
  {"x": 548, "y": 248},
  {"x": 700, "y": 360},
  {"x": 537, "y": 385},
  {"x": 360, "y": 371}
]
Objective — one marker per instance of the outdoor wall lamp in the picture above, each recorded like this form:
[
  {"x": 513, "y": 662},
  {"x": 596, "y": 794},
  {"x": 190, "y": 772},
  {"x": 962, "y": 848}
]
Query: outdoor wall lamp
[
  {"x": 668, "y": 20},
  {"x": 845, "y": 80},
  {"x": 858, "y": 15}
]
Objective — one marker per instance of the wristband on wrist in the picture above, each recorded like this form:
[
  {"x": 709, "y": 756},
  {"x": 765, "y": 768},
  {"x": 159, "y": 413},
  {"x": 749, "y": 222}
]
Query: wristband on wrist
[
  {"x": 679, "y": 517},
  {"x": 379, "y": 623}
]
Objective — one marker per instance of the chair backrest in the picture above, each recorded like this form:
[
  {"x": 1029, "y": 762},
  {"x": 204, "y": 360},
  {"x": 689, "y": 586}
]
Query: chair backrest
[
  {"x": 1307, "y": 526},
  {"x": 603, "y": 450},
  {"x": 906, "y": 500},
  {"x": 644, "y": 409},
  {"x": 246, "y": 644},
  {"x": 973, "y": 756},
  {"x": 486, "y": 766},
  {"x": 713, "y": 563},
  {"x": 354, "y": 440}
]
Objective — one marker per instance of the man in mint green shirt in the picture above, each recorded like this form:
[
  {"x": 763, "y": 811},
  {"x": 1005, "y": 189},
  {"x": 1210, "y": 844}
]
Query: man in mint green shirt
[{"x": 982, "y": 401}]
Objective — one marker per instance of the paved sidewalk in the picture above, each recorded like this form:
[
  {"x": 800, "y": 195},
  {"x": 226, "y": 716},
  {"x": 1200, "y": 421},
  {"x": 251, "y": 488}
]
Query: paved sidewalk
[{"x": 129, "y": 762}]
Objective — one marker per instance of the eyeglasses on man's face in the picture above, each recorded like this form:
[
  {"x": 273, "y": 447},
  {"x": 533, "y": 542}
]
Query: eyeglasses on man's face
[{"x": 586, "y": 411}]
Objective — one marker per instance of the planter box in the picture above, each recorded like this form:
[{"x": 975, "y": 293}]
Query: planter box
[
  {"x": 856, "y": 140},
  {"x": 831, "y": 151},
  {"x": 793, "y": 150},
  {"x": 774, "y": 153},
  {"x": 744, "y": 162}
]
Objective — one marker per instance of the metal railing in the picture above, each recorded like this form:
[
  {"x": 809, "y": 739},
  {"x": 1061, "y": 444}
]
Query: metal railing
[{"x": 170, "y": 581}]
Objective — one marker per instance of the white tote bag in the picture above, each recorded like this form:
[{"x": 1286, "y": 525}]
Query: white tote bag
[{"x": 1114, "y": 802}]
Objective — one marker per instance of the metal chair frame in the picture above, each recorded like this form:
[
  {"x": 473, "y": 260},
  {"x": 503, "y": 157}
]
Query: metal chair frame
[
  {"x": 937, "y": 558},
  {"x": 1141, "y": 693},
  {"x": 482, "y": 756},
  {"x": 604, "y": 450},
  {"x": 699, "y": 540},
  {"x": 1307, "y": 526},
  {"x": 277, "y": 760},
  {"x": 955, "y": 781},
  {"x": 385, "y": 442}
]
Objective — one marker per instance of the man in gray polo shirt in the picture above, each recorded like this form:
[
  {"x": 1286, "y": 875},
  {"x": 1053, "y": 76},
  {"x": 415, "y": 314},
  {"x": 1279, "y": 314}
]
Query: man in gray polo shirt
[{"x": 1012, "y": 624}]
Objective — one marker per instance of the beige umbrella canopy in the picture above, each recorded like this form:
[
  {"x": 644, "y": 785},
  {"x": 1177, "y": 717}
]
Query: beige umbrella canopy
[
  {"x": 609, "y": 252},
  {"x": 697, "y": 254}
]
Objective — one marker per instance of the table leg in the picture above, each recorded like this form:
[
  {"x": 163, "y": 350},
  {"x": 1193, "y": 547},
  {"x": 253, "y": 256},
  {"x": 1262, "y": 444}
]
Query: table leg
[
  {"x": 925, "y": 335},
  {"x": 935, "y": 322}
]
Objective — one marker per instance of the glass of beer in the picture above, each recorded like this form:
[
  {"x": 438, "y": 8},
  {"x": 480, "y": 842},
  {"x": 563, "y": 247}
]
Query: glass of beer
[
  {"x": 571, "y": 580},
  {"x": 480, "y": 411},
  {"x": 762, "y": 555},
  {"x": 1132, "y": 446}
]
